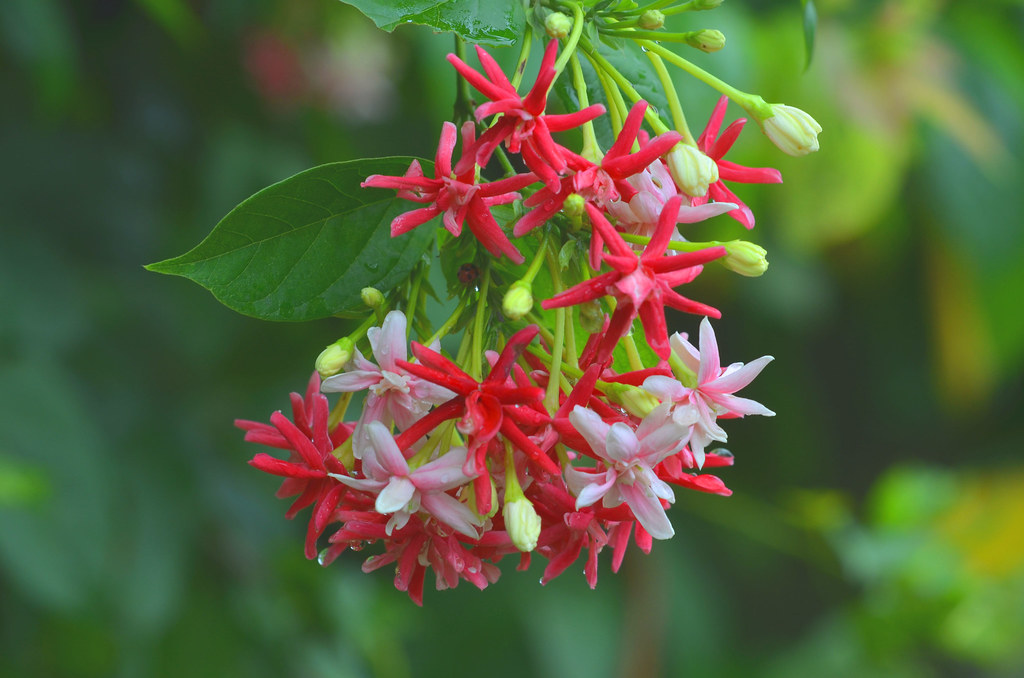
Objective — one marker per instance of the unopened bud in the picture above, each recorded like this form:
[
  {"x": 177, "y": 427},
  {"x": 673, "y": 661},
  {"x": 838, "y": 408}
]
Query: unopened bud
[
  {"x": 574, "y": 205},
  {"x": 334, "y": 358},
  {"x": 651, "y": 20},
  {"x": 706, "y": 40},
  {"x": 692, "y": 170},
  {"x": 591, "y": 316},
  {"x": 634, "y": 400},
  {"x": 705, "y": 4},
  {"x": 372, "y": 297},
  {"x": 792, "y": 130},
  {"x": 745, "y": 258},
  {"x": 522, "y": 524},
  {"x": 468, "y": 497},
  {"x": 557, "y": 25},
  {"x": 518, "y": 301}
]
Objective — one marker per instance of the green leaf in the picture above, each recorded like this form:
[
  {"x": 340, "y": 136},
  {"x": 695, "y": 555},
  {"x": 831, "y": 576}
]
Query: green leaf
[
  {"x": 303, "y": 248},
  {"x": 810, "y": 26},
  {"x": 489, "y": 22}
]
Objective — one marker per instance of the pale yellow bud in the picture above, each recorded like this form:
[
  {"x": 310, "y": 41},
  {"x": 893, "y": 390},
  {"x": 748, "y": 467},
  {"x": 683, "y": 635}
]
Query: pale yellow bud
[
  {"x": 518, "y": 301},
  {"x": 692, "y": 170},
  {"x": 634, "y": 400},
  {"x": 707, "y": 40},
  {"x": 557, "y": 25},
  {"x": 372, "y": 297},
  {"x": 792, "y": 130},
  {"x": 522, "y": 524},
  {"x": 651, "y": 20},
  {"x": 334, "y": 358},
  {"x": 745, "y": 258},
  {"x": 591, "y": 316}
]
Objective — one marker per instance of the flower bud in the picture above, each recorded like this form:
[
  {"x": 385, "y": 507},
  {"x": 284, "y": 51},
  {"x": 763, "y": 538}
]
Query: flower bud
[
  {"x": 334, "y": 358},
  {"x": 692, "y": 170},
  {"x": 706, "y": 40},
  {"x": 651, "y": 20},
  {"x": 518, "y": 301},
  {"x": 705, "y": 4},
  {"x": 522, "y": 524},
  {"x": 636, "y": 401},
  {"x": 745, "y": 258},
  {"x": 372, "y": 297},
  {"x": 557, "y": 25},
  {"x": 792, "y": 130},
  {"x": 591, "y": 316}
]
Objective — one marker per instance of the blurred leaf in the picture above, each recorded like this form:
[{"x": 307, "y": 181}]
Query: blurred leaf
[
  {"x": 39, "y": 33},
  {"x": 810, "y": 27},
  {"x": 175, "y": 16},
  {"x": 303, "y": 248},
  {"x": 489, "y": 22},
  {"x": 21, "y": 484}
]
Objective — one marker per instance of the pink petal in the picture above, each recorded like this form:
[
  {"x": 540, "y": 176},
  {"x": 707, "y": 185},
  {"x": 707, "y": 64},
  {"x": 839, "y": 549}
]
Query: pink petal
[
  {"x": 648, "y": 510},
  {"x": 395, "y": 495},
  {"x": 451, "y": 512},
  {"x": 385, "y": 450},
  {"x": 710, "y": 365}
]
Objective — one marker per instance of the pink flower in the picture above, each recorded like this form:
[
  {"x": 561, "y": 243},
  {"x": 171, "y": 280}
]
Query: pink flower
[
  {"x": 395, "y": 396},
  {"x": 629, "y": 458},
  {"x": 455, "y": 196},
  {"x": 522, "y": 126},
  {"x": 306, "y": 472},
  {"x": 730, "y": 171},
  {"x": 713, "y": 397},
  {"x": 402, "y": 492},
  {"x": 642, "y": 284}
]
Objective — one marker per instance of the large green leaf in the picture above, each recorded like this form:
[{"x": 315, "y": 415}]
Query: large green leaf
[
  {"x": 489, "y": 22},
  {"x": 303, "y": 248}
]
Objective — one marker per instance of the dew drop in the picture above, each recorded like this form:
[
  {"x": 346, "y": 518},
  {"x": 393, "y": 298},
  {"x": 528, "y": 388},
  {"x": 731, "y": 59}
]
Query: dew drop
[
  {"x": 643, "y": 49},
  {"x": 321, "y": 557}
]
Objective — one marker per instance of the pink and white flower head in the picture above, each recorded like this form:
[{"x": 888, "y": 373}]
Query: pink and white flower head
[
  {"x": 403, "y": 492},
  {"x": 395, "y": 396},
  {"x": 654, "y": 187},
  {"x": 713, "y": 396},
  {"x": 629, "y": 458}
]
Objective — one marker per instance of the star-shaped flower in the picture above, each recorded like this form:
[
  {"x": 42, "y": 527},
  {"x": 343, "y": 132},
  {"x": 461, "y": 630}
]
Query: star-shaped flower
[
  {"x": 730, "y": 171},
  {"x": 456, "y": 196},
  {"x": 642, "y": 285},
  {"x": 523, "y": 126}
]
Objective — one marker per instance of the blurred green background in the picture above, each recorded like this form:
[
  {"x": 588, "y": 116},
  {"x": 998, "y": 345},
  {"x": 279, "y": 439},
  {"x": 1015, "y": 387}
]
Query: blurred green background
[{"x": 877, "y": 526}]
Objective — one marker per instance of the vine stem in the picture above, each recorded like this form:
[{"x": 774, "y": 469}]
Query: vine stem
[
  {"x": 678, "y": 117},
  {"x": 652, "y": 117}
]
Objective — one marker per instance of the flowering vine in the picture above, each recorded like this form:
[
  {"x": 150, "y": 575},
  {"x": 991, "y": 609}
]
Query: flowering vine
[{"x": 550, "y": 411}]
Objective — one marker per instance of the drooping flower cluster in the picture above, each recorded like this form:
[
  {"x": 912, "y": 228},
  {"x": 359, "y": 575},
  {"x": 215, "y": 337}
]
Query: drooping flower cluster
[{"x": 551, "y": 428}]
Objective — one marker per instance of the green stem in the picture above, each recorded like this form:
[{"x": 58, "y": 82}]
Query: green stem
[
  {"x": 678, "y": 118},
  {"x": 558, "y": 346},
  {"x": 652, "y": 117},
  {"x": 505, "y": 163},
  {"x": 574, "y": 38},
  {"x": 538, "y": 261},
  {"x": 524, "y": 56},
  {"x": 590, "y": 148},
  {"x": 640, "y": 34},
  {"x": 679, "y": 246},
  {"x": 745, "y": 100},
  {"x": 476, "y": 357},
  {"x": 632, "y": 353},
  {"x": 444, "y": 329},
  {"x": 616, "y": 106}
]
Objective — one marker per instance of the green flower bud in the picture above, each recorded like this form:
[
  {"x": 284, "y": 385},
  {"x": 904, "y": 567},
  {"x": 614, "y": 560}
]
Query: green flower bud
[
  {"x": 705, "y": 4},
  {"x": 635, "y": 400},
  {"x": 334, "y": 358},
  {"x": 792, "y": 130},
  {"x": 522, "y": 524},
  {"x": 692, "y": 170},
  {"x": 518, "y": 301},
  {"x": 651, "y": 20},
  {"x": 707, "y": 40},
  {"x": 574, "y": 205},
  {"x": 557, "y": 25},
  {"x": 591, "y": 316},
  {"x": 745, "y": 258},
  {"x": 372, "y": 297}
]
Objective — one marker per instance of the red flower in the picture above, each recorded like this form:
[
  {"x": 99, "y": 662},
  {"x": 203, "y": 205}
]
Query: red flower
[
  {"x": 494, "y": 405},
  {"x": 312, "y": 459},
  {"x": 522, "y": 126},
  {"x": 455, "y": 196},
  {"x": 730, "y": 171},
  {"x": 600, "y": 184},
  {"x": 642, "y": 285}
]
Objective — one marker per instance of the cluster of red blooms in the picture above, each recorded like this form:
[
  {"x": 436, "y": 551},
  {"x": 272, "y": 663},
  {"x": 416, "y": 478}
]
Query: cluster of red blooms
[{"x": 451, "y": 466}]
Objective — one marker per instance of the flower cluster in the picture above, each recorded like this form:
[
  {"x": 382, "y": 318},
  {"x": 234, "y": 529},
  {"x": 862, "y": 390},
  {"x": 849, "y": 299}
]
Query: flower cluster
[{"x": 556, "y": 428}]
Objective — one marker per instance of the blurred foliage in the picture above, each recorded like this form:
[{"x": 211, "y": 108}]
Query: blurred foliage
[{"x": 877, "y": 523}]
